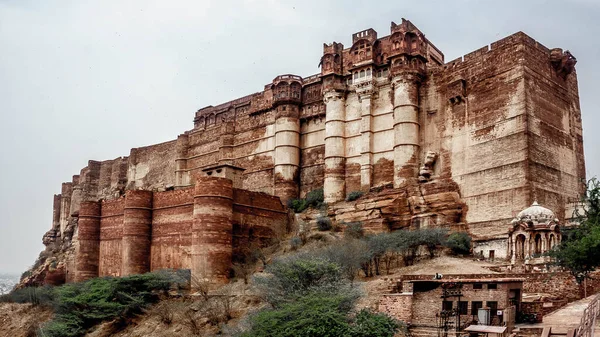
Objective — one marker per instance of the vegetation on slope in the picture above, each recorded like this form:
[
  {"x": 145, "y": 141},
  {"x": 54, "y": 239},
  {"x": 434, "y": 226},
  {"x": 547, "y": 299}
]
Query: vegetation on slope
[
  {"x": 310, "y": 295},
  {"x": 80, "y": 306},
  {"x": 579, "y": 251}
]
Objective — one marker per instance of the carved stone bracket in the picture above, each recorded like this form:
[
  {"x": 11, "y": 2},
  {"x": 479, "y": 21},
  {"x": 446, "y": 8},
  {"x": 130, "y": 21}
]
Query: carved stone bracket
[
  {"x": 426, "y": 170},
  {"x": 562, "y": 62}
]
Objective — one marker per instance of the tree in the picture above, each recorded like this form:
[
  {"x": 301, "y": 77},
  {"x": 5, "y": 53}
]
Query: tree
[
  {"x": 579, "y": 252},
  {"x": 459, "y": 243}
]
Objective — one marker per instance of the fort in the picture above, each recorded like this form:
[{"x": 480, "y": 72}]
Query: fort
[{"x": 466, "y": 144}]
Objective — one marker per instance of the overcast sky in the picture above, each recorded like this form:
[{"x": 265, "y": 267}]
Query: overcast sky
[{"x": 84, "y": 80}]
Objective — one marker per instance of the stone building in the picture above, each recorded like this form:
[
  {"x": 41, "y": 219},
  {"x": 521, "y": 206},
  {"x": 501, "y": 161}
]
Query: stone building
[
  {"x": 464, "y": 142},
  {"x": 453, "y": 304},
  {"x": 533, "y": 232}
]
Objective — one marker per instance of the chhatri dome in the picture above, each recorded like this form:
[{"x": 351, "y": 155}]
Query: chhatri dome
[{"x": 536, "y": 214}]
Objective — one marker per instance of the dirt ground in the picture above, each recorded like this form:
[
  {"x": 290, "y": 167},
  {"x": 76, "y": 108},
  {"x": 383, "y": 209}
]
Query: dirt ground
[{"x": 21, "y": 320}]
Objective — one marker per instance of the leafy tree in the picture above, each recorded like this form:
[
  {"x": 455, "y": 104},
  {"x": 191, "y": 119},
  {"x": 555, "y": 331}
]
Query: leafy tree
[
  {"x": 579, "y": 252},
  {"x": 349, "y": 254},
  {"x": 291, "y": 277},
  {"x": 432, "y": 238},
  {"x": 459, "y": 243}
]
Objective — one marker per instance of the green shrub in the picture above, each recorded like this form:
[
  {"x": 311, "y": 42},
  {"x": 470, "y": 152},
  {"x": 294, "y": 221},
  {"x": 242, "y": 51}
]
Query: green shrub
[
  {"x": 79, "y": 306},
  {"x": 290, "y": 277},
  {"x": 298, "y": 205},
  {"x": 319, "y": 314},
  {"x": 313, "y": 199},
  {"x": 34, "y": 295},
  {"x": 370, "y": 324},
  {"x": 354, "y": 229},
  {"x": 354, "y": 195},
  {"x": 295, "y": 242},
  {"x": 323, "y": 223},
  {"x": 459, "y": 243},
  {"x": 311, "y": 315}
]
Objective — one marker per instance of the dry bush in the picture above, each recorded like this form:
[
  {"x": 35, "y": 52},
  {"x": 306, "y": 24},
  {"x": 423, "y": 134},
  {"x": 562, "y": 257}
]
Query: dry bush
[
  {"x": 166, "y": 312},
  {"x": 190, "y": 320}
]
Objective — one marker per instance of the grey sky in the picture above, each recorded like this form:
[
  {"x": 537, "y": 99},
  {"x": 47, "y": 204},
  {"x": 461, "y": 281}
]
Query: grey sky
[{"x": 84, "y": 80}]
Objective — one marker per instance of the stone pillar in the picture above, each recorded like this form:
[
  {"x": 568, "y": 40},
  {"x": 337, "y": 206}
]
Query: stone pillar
[
  {"x": 287, "y": 152},
  {"x": 406, "y": 127},
  {"x": 544, "y": 242},
  {"x": 212, "y": 229},
  {"x": 182, "y": 176},
  {"x": 65, "y": 205},
  {"x": 335, "y": 152},
  {"x": 226, "y": 143},
  {"x": 137, "y": 231},
  {"x": 87, "y": 255},
  {"x": 513, "y": 243},
  {"x": 366, "y": 141},
  {"x": 76, "y": 199},
  {"x": 56, "y": 211}
]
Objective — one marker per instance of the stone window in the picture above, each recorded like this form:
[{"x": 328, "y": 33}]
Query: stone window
[
  {"x": 463, "y": 307},
  {"x": 493, "y": 305},
  {"x": 492, "y": 286},
  {"x": 446, "y": 305},
  {"x": 475, "y": 306},
  {"x": 477, "y": 286}
]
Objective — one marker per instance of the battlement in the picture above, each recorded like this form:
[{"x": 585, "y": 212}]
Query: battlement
[
  {"x": 367, "y": 34},
  {"x": 332, "y": 48}
]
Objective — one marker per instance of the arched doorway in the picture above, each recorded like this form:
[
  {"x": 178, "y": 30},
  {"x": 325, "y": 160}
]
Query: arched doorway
[
  {"x": 520, "y": 247},
  {"x": 551, "y": 241}
]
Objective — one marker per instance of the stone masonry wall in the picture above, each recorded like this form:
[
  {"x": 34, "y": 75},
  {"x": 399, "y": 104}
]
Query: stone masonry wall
[{"x": 256, "y": 220}]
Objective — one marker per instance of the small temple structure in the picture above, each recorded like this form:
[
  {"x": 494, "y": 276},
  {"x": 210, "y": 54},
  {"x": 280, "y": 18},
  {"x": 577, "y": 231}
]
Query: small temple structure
[{"x": 533, "y": 232}]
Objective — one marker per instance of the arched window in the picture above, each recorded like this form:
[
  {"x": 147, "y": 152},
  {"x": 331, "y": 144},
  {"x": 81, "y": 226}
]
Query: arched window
[
  {"x": 368, "y": 72},
  {"x": 362, "y": 73}
]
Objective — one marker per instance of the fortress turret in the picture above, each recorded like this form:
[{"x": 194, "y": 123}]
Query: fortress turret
[
  {"x": 212, "y": 229},
  {"x": 408, "y": 58},
  {"x": 287, "y": 97},
  {"x": 137, "y": 228},
  {"x": 87, "y": 255}
]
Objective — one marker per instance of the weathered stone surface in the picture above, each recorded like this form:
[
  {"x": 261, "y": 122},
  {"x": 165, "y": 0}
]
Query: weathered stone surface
[{"x": 504, "y": 123}]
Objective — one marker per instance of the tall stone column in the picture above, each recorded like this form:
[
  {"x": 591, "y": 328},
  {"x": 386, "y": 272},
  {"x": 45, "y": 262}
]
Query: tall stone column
[
  {"x": 182, "y": 177},
  {"x": 65, "y": 205},
  {"x": 335, "y": 143},
  {"x": 406, "y": 127},
  {"x": 76, "y": 196},
  {"x": 137, "y": 231},
  {"x": 226, "y": 143},
  {"x": 287, "y": 152},
  {"x": 87, "y": 255},
  {"x": 212, "y": 229},
  {"x": 366, "y": 140},
  {"x": 56, "y": 212}
]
